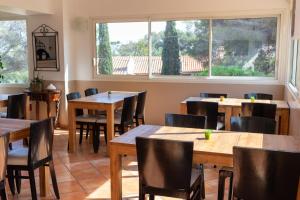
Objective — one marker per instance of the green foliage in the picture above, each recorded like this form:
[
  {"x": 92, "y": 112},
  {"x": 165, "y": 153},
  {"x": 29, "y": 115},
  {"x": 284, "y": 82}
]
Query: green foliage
[
  {"x": 139, "y": 48},
  {"x": 170, "y": 53},
  {"x": 230, "y": 71},
  {"x": 1, "y": 69},
  {"x": 265, "y": 62},
  {"x": 104, "y": 51}
]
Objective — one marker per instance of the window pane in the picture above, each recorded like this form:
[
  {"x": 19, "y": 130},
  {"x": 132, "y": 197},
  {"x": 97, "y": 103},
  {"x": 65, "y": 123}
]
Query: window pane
[
  {"x": 180, "y": 47},
  {"x": 13, "y": 51},
  {"x": 122, "y": 48},
  {"x": 294, "y": 62},
  {"x": 244, "y": 47}
]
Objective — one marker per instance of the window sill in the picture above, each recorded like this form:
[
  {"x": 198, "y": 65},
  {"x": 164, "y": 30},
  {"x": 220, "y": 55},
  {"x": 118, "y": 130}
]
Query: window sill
[
  {"x": 183, "y": 79},
  {"x": 293, "y": 89},
  {"x": 14, "y": 85}
]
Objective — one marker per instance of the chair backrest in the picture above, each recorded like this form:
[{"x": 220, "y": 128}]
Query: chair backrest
[
  {"x": 253, "y": 124},
  {"x": 164, "y": 164},
  {"x": 188, "y": 121},
  {"x": 212, "y": 95},
  {"x": 258, "y": 96},
  {"x": 129, "y": 105},
  {"x": 40, "y": 141},
  {"x": 16, "y": 106},
  {"x": 259, "y": 110},
  {"x": 4, "y": 139},
  {"x": 72, "y": 96},
  {"x": 90, "y": 91},
  {"x": 140, "y": 105},
  {"x": 265, "y": 175},
  {"x": 208, "y": 109}
]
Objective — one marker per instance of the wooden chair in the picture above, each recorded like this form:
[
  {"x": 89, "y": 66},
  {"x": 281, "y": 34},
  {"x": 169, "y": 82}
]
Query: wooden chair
[
  {"x": 90, "y": 91},
  {"x": 189, "y": 121},
  {"x": 253, "y": 124},
  {"x": 38, "y": 154},
  {"x": 165, "y": 169},
  {"x": 122, "y": 122},
  {"x": 212, "y": 95},
  {"x": 208, "y": 109},
  {"x": 259, "y": 110},
  {"x": 262, "y": 174},
  {"x": 4, "y": 140},
  {"x": 221, "y": 115},
  {"x": 258, "y": 96},
  {"x": 82, "y": 119},
  {"x": 140, "y": 107}
]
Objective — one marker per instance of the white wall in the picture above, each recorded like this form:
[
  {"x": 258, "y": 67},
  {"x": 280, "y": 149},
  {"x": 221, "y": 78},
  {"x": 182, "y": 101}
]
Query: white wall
[
  {"x": 297, "y": 20},
  {"x": 24, "y": 7}
]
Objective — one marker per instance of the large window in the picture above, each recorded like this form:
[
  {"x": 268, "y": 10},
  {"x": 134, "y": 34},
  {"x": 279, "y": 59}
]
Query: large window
[
  {"x": 209, "y": 47},
  {"x": 13, "y": 51}
]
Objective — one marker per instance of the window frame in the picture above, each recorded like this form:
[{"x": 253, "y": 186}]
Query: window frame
[
  {"x": 278, "y": 79},
  {"x": 26, "y": 84}
]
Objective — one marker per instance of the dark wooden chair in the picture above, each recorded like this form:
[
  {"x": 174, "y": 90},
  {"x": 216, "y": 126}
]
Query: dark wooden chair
[
  {"x": 264, "y": 174},
  {"x": 212, "y": 95},
  {"x": 253, "y": 124},
  {"x": 259, "y": 110},
  {"x": 221, "y": 115},
  {"x": 208, "y": 109},
  {"x": 140, "y": 108},
  {"x": 189, "y": 121},
  {"x": 83, "y": 120},
  {"x": 16, "y": 109},
  {"x": 258, "y": 96},
  {"x": 165, "y": 169},
  {"x": 122, "y": 122},
  {"x": 38, "y": 154},
  {"x": 4, "y": 139}
]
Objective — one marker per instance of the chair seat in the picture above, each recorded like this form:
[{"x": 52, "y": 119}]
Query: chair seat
[
  {"x": 86, "y": 118},
  {"x": 18, "y": 157},
  {"x": 102, "y": 119}
]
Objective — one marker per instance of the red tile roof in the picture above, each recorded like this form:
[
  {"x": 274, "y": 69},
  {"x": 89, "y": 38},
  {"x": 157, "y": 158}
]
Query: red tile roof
[{"x": 138, "y": 65}]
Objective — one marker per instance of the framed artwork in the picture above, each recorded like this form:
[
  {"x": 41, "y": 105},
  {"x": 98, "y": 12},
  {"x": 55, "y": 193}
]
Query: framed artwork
[{"x": 45, "y": 49}]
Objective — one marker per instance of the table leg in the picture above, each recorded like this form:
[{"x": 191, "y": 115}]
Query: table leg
[
  {"x": 284, "y": 122},
  {"x": 48, "y": 109},
  {"x": 44, "y": 181},
  {"x": 116, "y": 174},
  {"x": 27, "y": 109},
  {"x": 37, "y": 110},
  {"x": 228, "y": 114},
  {"x": 57, "y": 104},
  {"x": 72, "y": 128},
  {"x": 110, "y": 119},
  {"x": 183, "y": 108}
]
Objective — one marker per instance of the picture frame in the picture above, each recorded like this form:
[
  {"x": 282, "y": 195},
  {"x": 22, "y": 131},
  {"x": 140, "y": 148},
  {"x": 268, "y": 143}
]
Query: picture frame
[{"x": 45, "y": 49}]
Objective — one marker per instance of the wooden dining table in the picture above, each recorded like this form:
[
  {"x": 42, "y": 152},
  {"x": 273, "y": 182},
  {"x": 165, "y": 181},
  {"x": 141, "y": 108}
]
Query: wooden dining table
[
  {"x": 232, "y": 107},
  {"x": 18, "y": 130},
  {"x": 106, "y": 101},
  {"x": 218, "y": 150}
]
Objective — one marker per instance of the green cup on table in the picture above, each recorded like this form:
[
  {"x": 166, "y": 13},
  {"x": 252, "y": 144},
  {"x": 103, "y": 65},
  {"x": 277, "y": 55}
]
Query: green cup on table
[
  {"x": 207, "y": 134},
  {"x": 252, "y": 99}
]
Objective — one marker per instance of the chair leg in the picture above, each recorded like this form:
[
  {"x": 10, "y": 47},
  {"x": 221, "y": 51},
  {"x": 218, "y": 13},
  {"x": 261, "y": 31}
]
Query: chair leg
[
  {"x": 87, "y": 129},
  {"x": 137, "y": 123},
  {"x": 105, "y": 133},
  {"x": 223, "y": 174},
  {"x": 230, "y": 187},
  {"x": 18, "y": 180},
  {"x": 202, "y": 183},
  {"x": 11, "y": 182},
  {"x": 10, "y": 146},
  {"x": 141, "y": 193},
  {"x": 32, "y": 184},
  {"x": 143, "y": 120},
  {"x": 80, "y": 133},
  {"x": 3, "y": 194},
  {"x": 96, "y": 138},
  {"x": 54, "y": 181},
  {"x": 151, "y": 197}
]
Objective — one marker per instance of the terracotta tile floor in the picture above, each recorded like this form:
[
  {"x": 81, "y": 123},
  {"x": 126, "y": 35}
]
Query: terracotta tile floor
[{"x": 85, "y": 175}]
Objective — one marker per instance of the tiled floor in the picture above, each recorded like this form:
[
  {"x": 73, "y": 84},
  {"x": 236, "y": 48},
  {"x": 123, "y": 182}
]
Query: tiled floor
[{"x": 85, "y": 175}]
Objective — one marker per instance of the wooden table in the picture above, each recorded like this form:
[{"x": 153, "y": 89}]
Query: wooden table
[
  {"x": 47, "y": 96},
  {"x": 101, "y": 101},
  {"x": 217, "y": 150},
  {"x": 232, "y": 107},
  {"x": 19, "y": 129}
]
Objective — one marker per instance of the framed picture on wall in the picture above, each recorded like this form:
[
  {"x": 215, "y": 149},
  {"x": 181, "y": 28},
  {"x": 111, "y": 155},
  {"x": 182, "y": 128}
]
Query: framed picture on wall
[{"x": 45, "y": 49}]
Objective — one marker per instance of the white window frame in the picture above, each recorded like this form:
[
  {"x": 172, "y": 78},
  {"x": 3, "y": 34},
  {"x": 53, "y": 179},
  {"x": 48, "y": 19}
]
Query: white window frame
[
  {"x": 280, "y": 71},
  {"x": 19, "y": 85}
]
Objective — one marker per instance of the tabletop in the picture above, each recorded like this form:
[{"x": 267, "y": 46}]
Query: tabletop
[
  {"x": 13, "y": 125},
  {"x": 221, "y": 142},
  {"x": 105, "y": 97},
  {"x": 238, "y": 102}
]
